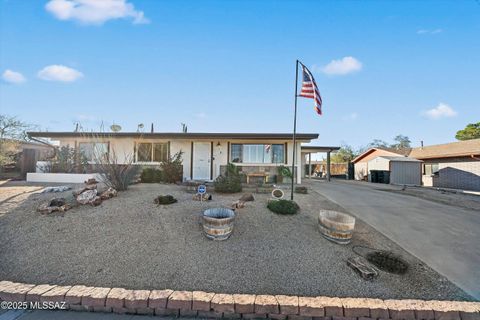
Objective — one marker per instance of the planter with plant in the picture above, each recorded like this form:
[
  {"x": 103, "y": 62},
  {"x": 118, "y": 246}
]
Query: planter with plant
[{"x": 284, "y": 174}]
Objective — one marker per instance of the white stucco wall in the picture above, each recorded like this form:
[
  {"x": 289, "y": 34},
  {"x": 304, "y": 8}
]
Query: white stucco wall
[{"x": 124, "y": 147}]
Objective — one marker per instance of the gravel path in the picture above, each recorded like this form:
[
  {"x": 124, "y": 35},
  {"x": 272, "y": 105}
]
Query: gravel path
[{"x": 130, "y": 242}]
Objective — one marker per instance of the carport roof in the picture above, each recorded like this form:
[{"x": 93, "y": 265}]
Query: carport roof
[
  {"x": 315, "y": 149},
  {"x": 400, "y": 159}
]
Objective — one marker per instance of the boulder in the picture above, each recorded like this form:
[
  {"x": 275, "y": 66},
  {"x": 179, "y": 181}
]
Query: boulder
[
  {"x": 53, "y": 205},
  {"x": 247, "y": 197},
  {"x": 109, "y": 193},
  {"x": 87, "y": 196}
]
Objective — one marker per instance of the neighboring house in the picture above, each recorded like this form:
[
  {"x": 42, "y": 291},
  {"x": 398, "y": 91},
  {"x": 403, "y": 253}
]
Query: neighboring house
[
  {"x": 361, "y": 170},
  {"x": 205, "y": 155},
  {"x": 396, "y": 170},
  {"x": 24, "y": 154},
  {"x": 451, "y": 165}
]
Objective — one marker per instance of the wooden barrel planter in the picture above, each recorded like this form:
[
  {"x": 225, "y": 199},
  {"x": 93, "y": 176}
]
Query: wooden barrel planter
[
  {"x": 218, "y": 223},
  {"x": 336, "y": 226}
]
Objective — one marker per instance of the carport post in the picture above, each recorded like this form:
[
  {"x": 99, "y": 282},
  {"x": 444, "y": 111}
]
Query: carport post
[
  {"x": 328, "y": 165},
  {"x": 309, "y": 165}
]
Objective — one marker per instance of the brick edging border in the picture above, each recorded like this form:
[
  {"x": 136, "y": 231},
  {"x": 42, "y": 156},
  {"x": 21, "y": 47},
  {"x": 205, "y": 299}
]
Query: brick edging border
[{"x": 247, "y": 306}]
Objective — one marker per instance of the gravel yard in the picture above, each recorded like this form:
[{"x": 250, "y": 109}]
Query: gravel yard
[{"x": 130, "y": 242}]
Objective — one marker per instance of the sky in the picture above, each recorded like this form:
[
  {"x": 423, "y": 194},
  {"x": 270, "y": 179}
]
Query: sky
[{"x": 383, "y": 67}]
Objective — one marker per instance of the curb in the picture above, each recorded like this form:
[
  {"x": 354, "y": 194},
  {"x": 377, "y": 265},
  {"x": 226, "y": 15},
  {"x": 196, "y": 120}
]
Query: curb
[{"x": 234, "y": 306}]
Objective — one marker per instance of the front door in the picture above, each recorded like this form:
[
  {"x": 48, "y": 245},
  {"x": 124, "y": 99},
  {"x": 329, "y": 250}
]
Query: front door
[{"x": 201, "y": 160}]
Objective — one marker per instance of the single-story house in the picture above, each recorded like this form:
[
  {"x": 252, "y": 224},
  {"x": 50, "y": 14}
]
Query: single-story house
[
  {"x": 396, "y": 170},
  {"x": 205, "y": 155},
  {"x": 453, "y": 165},
  {"x": 360, "y": 162}
]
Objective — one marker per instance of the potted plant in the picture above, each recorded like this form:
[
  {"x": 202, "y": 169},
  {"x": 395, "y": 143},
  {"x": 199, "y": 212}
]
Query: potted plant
[{"x": 284, "y": 175}]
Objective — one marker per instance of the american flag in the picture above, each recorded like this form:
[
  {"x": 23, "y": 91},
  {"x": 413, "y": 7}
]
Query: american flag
[{"x": 310, "y": 89}]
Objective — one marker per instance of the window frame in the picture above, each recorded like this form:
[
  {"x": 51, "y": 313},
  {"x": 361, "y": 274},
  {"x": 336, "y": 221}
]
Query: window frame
[
  {"x": 241, "y": 153},
  {"x": 93, "y": 158},
  {"x": 166, "y": 144}
]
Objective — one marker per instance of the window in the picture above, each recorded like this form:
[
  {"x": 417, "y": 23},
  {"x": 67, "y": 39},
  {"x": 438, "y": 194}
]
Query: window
[
  {"x": 430, "y": 169},
  {"x": 236, "y": 153},
  {"x": 257, "y": 153},
  {"x": 152, "y": 152},
  {"x": 93, "y": 150}
]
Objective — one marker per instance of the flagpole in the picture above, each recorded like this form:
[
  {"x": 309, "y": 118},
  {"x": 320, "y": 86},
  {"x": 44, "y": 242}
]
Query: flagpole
[{"x": 294, "y": 129}]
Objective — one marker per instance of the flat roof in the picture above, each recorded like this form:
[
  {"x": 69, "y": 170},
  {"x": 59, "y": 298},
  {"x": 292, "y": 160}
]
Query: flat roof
[
  {"x": 400, "y": 159},
  {"x": 176, "y": 135},
  {"x": 314, "y": 149}
]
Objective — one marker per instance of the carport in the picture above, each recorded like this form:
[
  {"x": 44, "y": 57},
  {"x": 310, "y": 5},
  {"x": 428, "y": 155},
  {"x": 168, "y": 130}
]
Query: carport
[{"x": 308, "y": 150}]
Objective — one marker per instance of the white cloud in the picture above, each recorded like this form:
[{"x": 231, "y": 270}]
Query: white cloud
[
  {"x": 95, "y": 11},
  {"x": 427, "y": 31},
  {"x": 441, "y": 111},
  {"x": 201, "y": 115},
  {"x": 342, "y": 66},
  {"x": 13, "y": 77},
  {"x": 59, "y": 73}
]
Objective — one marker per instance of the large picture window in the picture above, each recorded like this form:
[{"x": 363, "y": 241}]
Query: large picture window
[
  {"x": 152, "y": 152},
  {"x": 257, "y": 153},
  {"x": 93, "y": 151}
]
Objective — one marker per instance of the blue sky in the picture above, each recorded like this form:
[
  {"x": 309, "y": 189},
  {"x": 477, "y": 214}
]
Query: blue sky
[{"x": 383, "y": 68}]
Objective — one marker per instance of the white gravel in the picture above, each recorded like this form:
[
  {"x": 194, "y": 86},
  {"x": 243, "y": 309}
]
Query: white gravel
[{"x": 130, "y": 242}]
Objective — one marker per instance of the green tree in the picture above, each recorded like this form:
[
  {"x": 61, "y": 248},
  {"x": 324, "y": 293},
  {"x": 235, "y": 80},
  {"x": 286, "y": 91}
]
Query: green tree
[
  {"x": 402, "y": 142},
  {"x": 12, "y": 131},
  {"x": 378, "y": 143},
  {"x": 471, "y": 131},
  {"x": 344, "y": 154}
]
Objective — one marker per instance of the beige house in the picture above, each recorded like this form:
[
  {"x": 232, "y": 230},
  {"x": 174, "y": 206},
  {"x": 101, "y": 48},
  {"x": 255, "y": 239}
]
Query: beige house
[
  {"x": 205, "y": 155},
  {"x": 451, "y": 165},
  {"x": 361, "y": 161}
]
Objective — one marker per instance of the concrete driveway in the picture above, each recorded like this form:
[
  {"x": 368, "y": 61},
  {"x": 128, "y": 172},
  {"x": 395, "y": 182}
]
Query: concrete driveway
[{"x": 445, "y": 237}]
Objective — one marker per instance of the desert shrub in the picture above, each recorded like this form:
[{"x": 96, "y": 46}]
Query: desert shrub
[
  {"x": 115, "y": 174},
  {"x": 172, "y": 168},
  {"x": 68, "y": 160},
  {"x": 230, "y": 182},
  {"x": 151, "y": 175},
  {"x": 168, "y": 199},
  {"x": 283, "y": 206}
]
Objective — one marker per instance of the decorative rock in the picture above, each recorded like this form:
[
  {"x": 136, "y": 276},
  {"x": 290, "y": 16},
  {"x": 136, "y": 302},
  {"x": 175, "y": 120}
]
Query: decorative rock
[
  {"x": 96, "y": 201},
  {"x": 75, "y": 294},
  {"x": 37, "y": 291},
  {"x": 201, "y": 300},
  {"x": 288, "y": 304},
  {"x": 96, "y": 297},
  {"x": 400, "y": 310},
  {"x": 266, "y": 304},
  {"x": 223, "y": 303},
  {"x": 87, "y": 196},
  {"x": 137, "y": 299},
  {"x": 116, "y": 298},
  {"x": 109, "y": 193},
  {"x": 244, "y": 303},
  {"x": 54, "y": 205},
  {"x": 356, "y": 307},
  {"x": 180, "y": 300},
  {"x": 378, "y": 309},
  {"x": 166, "y": 312},
  {"x": 333, "y": 306},
  {"x": 15, "y": 291},
  {"x": 310, "y": 307},
  {"x": 159, "y": 298},
  {"x": 247, "y": 197},
  {"x": 362, "y": 267},
  {"x": 56, "y": 294}
]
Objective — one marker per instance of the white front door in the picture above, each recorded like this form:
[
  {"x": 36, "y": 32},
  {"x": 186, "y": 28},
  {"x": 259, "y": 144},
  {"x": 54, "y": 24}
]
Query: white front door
[{"x": 201, "y": 160}]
